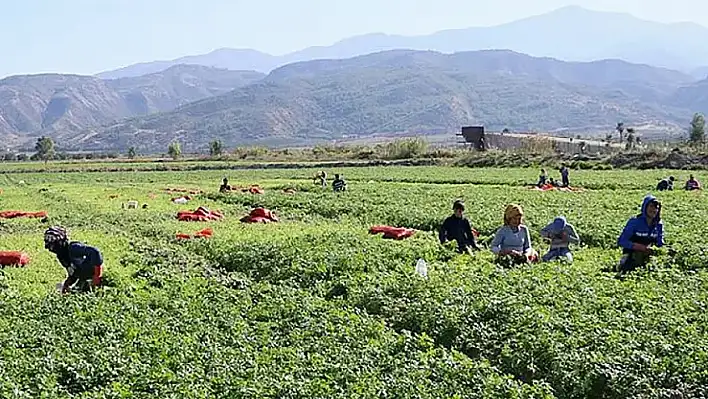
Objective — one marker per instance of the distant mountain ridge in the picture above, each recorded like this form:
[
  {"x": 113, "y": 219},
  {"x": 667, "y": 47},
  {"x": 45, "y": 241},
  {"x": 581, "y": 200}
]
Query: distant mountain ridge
[
  {"x": 413, "y": 92},
  {"x": 49, "y": 103},
  {"x": 570, "y": 33}
]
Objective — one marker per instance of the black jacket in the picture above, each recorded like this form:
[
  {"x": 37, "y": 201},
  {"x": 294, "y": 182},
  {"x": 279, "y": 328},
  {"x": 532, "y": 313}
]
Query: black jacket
[{"x": 458, "y": 229}]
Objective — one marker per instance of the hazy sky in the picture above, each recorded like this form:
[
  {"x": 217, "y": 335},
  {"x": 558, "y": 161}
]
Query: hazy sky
[{"x": 90, "y": 36}]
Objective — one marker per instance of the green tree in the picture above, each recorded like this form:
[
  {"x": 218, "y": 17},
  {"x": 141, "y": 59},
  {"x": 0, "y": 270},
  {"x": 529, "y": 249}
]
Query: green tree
[
  {"x": 44, "y": 148},
  {"x": 620, "y": 130},
  {"x": 630, "y": 140},
  {"x": 174, "y": 150},
  {"x": 698, "y": 129},
  {"x": 131, "y": 152},
  {"x": 216, "y": 148}
]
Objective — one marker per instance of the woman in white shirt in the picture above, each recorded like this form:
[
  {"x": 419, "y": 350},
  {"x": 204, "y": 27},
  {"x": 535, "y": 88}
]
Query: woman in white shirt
[{"x": 513, "y": 239}]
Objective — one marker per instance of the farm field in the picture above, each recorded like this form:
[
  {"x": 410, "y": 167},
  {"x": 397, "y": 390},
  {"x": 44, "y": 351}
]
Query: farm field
[{"x": 315, "y": 307}]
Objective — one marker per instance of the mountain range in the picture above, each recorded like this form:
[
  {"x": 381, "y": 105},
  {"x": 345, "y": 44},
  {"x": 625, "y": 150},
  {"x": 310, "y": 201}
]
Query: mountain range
[
  {"x": 570, "y": 34},
  {"x": 49, "y": 103},
  {"x": 414, "y": 92},
  {"x": 372, "y": 84}
]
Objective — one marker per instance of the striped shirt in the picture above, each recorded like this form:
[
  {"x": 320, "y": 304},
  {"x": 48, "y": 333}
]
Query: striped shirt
[{"x": 339, "y": 185}]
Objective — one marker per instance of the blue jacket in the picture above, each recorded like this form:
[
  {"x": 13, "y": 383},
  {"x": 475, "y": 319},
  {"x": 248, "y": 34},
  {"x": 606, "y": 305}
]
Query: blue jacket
[
  {"x": 79, "y": 260},
  {"x": 555, "y": 229},
  {"x": 637, "y": 230}
]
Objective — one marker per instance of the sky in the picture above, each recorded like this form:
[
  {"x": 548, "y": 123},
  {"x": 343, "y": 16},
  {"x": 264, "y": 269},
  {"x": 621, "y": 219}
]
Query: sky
[{"x": 91, "y": 36}]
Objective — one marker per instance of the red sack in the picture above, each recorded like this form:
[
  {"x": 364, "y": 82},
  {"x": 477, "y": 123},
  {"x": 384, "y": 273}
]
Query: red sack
[
  {"x": 205, "y": 233},
  {"x": 22, "y": 214},
  {"x": 260, "y": 215},
  {"x": 13, "y": 258},
  {"x": 396, "y": 233},
  {"x": 201, "y": 214},
  {"x": 260, "y": 212}
]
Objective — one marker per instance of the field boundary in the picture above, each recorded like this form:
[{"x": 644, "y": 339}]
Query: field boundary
[{"x": 161, "y": 167}]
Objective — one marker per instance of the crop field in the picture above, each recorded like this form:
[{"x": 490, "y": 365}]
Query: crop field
[{"x": 315, "y": 307}]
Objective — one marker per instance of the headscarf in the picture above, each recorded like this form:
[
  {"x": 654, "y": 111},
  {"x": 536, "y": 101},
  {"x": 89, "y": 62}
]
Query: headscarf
[
  {"x": 55, "y": 234},
  {"x": 512, "y": 210},
  {"x": 559, "y": 224}
]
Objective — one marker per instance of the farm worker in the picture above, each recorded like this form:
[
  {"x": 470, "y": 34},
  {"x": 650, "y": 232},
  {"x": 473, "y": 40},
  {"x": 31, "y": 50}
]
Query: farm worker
[
  {"x": 83, "y": 263},
  {"x": 513, "y": 239},
  {"x": 225, "y": 187},
  {"x": 338, "y": 184},
  {"x": 457, "y": 227},
  {"x": 322, "y": 177},
  {"x": 666, "y": 184},
  {"x": 542, "y": 178},
  {"x": 564, "y": 176},
  {"x": 692, "y": 184},
  {"x": 640, "y": 234},
  {"x": 561, "y": 234}
]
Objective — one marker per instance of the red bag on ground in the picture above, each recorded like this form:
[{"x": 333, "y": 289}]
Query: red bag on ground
[
  {"x": 396, "y": 233},
  {"x": 260, "y": 215},
  {"x": 201, "y": 214},
  {"x": 257, "y": 219},
  {"x": 13, "y": 258},
  {"x": 255, "y": 190},
  {"x": 22, "y": 214},
  {"x": 205, "y": 233}
]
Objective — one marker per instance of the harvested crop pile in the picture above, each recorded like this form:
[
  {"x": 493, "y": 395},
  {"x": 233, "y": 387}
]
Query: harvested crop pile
[
  {"x": 13, "y": 258},
  {"x": 22, "y": 214},
  {"x": 396, "y": 233},
  {"x": 260, "y": 215},
  {"x": 201, "y": 214},
  {"x": 205, "y": 233},
  {"x": 183, "y": 190}
]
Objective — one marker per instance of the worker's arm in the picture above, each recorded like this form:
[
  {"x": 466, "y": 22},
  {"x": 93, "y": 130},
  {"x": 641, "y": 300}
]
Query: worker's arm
[
  {"x": 625, "y": 239},
  {"x": 547, "y": 232},
  {"x": 497, "y": 242},
  {"x": 470, "y": 236},
  {"x": 442, "y": 233},
  {"x": 527, "y": 242},
  {"x": 573, "y": 235},
  {"x": 660, "y": 235},
  {"x": 70, "y": 280}
]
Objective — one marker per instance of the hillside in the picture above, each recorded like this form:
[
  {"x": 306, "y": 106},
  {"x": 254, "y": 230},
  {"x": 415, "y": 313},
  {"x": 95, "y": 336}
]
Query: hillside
[
  {"x": 693, "y": 96},
  {"x": 569, "y": 33},
  {"x": 178, "y": 85},
  {"x": 232, "y": 59},
  {"x": 408, "y": 92},
  {"x": 45, "y": 104}
]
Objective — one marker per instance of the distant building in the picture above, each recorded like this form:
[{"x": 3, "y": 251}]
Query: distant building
[{"x": 474, "y": 135}]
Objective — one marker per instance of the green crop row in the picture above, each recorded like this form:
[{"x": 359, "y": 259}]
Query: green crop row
[{"x": 316, "y": 307}]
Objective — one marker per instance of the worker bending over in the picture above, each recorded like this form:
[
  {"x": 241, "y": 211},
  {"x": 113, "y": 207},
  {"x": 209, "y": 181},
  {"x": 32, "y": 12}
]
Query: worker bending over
[
  {"x": 561, "y": 234},
  {"x": 83, "y": 263}
]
